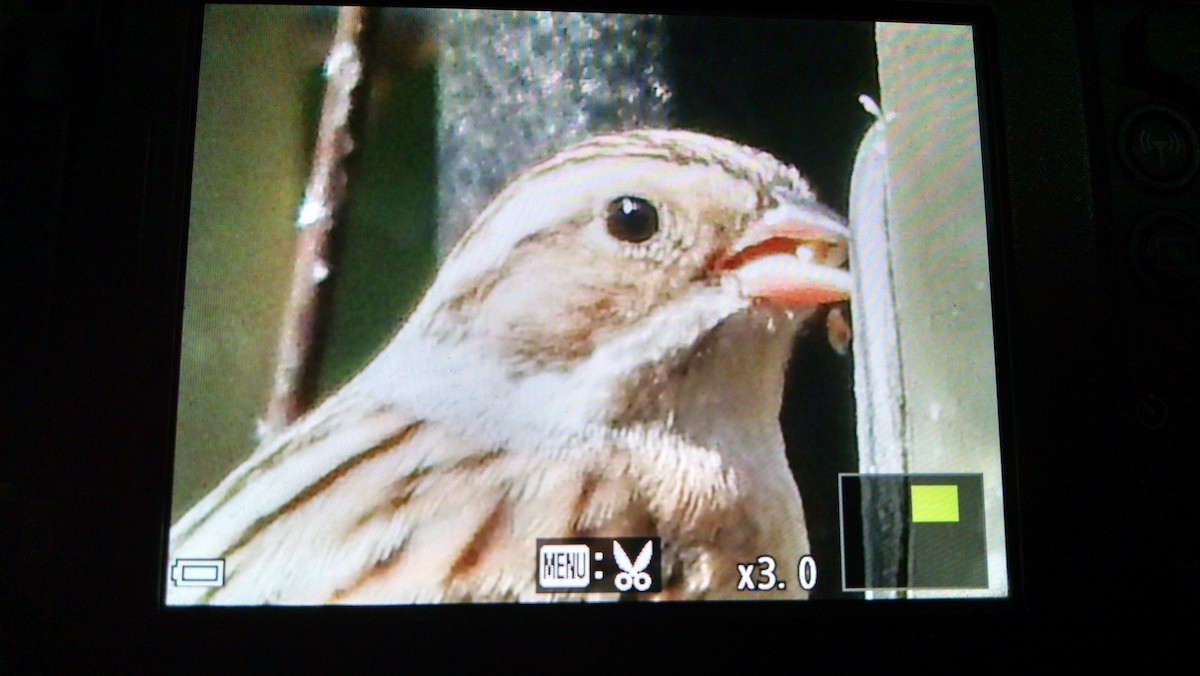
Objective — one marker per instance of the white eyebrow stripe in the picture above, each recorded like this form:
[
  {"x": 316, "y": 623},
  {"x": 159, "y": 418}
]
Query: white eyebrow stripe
[
  {"x": 676, "y": 147},
  {"x": 533, "y": 205}
]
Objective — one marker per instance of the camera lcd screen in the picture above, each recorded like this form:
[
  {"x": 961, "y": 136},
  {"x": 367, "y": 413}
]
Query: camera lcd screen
[{"x": 490, "y": 306}]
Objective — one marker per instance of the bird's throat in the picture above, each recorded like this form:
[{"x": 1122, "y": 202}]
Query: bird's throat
[{"x": 724, "y": 393}]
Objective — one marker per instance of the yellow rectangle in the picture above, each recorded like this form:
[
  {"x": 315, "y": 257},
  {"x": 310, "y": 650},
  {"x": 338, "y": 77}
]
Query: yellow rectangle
[{"x": 934, "y": 504}]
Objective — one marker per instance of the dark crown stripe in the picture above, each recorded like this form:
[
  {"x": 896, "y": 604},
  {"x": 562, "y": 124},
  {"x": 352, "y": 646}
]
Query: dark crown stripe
[{"x": 754, "y": 166}]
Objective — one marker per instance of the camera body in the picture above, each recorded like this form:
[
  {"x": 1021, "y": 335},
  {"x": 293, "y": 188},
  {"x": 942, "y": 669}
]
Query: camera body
[{"x": 1089, "y": 119}]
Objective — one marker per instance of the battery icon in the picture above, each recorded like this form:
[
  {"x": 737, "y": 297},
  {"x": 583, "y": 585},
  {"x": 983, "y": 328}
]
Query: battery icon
[{"x": 198, "y": 572}]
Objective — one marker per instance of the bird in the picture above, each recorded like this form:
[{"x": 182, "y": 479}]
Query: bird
[{"x": 601, "y": 354}]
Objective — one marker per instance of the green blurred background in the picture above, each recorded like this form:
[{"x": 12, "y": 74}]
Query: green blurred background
[{"x": 259, "y": 99}]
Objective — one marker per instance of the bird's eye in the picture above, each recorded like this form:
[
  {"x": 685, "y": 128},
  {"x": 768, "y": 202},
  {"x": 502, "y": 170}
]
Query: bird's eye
[{"x": 632, "y": 219}]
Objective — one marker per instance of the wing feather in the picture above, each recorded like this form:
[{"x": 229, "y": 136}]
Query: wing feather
[{"x": 362, "y": 504}]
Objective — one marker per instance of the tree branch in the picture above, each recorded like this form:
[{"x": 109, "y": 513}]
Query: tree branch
[{"x": 315, "y": 222}]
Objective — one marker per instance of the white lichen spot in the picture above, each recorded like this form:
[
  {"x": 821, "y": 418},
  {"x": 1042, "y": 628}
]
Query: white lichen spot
[
  {"x": 311, "y": 211},
  {"x": 935, "y": 411},
  {"x": 661, "y": 91},
  {"x": 870, "y": 106},
  {"x": 875, "y": 109},
  {"x": 320, "y": 272},
  {"x": 262, "y": 430},
  {"x": 339, "y": 55}
]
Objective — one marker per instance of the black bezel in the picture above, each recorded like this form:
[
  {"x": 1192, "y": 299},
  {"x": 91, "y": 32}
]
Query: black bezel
[
  {"x": 996, "y": 242},
  {"x": 100, "y": 485}
]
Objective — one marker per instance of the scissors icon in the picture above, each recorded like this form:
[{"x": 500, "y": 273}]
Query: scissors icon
[{"x": 633, "y": 574}]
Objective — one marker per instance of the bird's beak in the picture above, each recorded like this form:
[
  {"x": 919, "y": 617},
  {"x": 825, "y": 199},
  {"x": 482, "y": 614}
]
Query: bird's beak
[{"x": 791, "y": 256}]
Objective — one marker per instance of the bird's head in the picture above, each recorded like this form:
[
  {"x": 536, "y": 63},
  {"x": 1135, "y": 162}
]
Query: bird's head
[{"x": 628, "y": 250}]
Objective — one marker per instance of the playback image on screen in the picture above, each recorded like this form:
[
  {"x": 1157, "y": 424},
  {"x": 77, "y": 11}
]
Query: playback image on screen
[{"x": 508, "y": 306}]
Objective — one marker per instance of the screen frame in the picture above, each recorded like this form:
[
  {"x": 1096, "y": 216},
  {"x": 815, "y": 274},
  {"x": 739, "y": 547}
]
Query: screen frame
[
  {"x": 1033, "y": 287},
  {"x": 982, "y": 39}
]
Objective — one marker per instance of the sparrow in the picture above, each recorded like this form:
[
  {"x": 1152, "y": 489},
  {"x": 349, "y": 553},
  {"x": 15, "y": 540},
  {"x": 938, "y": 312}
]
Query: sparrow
[{"x": 601, "y": 354}]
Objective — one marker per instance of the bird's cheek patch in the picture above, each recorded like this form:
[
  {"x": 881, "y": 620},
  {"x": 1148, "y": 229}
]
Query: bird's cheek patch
[{"x": 552, "y": 325}]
